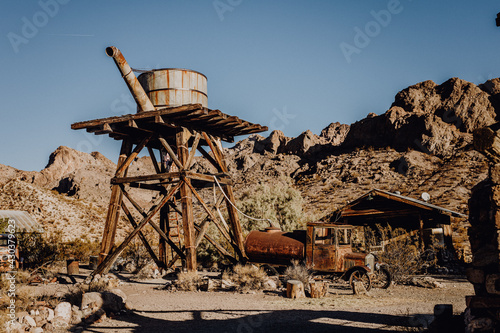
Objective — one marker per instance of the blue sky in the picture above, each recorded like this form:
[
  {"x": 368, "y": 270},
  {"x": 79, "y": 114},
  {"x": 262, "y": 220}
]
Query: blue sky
[{"x": 290, "y": 65}]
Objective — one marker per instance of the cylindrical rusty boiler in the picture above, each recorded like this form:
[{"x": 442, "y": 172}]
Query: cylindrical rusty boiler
[
  {"x": 174, "y": 87},
  {"x": 273, "y": 246}
]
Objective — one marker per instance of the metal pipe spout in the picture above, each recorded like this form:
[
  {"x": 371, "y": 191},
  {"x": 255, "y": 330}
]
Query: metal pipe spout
[{"x": 140, "y": 96}]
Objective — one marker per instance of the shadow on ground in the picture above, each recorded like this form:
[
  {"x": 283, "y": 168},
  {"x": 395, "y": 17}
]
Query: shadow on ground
[{"x": 248, "y": 321}]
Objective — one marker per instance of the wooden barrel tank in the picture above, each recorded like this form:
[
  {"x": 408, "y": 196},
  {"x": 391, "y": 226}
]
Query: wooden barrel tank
[{"x": 174, "y": 87}]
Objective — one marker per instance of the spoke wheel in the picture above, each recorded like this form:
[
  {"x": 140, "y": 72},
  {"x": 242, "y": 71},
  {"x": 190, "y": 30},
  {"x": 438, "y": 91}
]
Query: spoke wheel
[
  {"x": 381, "y": 278},
  {"x": 362, "y": 276},
  {"x": 270, "y": 270}
]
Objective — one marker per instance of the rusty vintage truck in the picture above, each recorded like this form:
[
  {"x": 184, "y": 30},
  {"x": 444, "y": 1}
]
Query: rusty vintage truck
[{"x": 324, "y": 248}]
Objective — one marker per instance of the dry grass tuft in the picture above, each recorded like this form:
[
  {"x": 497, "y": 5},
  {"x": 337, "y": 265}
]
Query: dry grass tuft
[
  {"x": 246, "y": 277},
  {"x": 298, "y": 272},
  {"x": 189, "y": 281}
]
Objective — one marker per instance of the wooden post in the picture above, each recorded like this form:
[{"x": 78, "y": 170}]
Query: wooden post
[
  {"x": 164, "y": 226},
  {"x": 108, "y": 236},
  {"x": 234, "y": 220},
  {"x": 182, "y": 138},
  {"x": 295, "y": 289},
  {"x": 318, "y": 289}
]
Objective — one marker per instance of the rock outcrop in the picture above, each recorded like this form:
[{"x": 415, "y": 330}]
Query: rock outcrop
[
  {"x": 436, "y": 119},
  {"x": 421, "y": 144}
]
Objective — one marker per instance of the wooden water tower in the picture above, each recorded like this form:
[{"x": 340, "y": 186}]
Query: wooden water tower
[{"x": 172, "y": 122}]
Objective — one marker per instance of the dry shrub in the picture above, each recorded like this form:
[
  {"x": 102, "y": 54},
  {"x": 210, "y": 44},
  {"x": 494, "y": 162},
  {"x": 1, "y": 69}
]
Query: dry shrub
[
  {"x": 403, "y": 253},
  {"x": 189, "y": 281},
  {"x": 246, "y": 277},
  {"x": 298, "y": 272}
]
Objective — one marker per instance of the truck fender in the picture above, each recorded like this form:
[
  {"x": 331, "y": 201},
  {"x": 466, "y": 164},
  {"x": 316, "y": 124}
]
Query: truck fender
[{"x": 348, "y": 273}]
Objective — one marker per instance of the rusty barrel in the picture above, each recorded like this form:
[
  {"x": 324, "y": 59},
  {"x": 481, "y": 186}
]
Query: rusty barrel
[
  {"x": 275, "y": 247},
  {"x": 72, "y": 266},
  {"x": 174, "y": 87}
]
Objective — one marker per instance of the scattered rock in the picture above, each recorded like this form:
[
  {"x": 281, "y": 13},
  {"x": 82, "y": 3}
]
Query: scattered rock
[
  {"x": 91, "y": 302},
  {"x": 114, "y": 300},
  {"x": 424, "y": 282},
  {"x": 30, "y": 321},
  {"x": 359, "y": 288}
]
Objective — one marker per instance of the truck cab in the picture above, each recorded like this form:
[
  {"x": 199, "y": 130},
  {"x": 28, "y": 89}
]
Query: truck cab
[{"x": 329, "y": 249}]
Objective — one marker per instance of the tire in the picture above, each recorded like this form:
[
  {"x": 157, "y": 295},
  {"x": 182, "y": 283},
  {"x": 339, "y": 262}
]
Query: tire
[
  {"x": 270, "y": 270},
  {"x": 381, "y": 278},
  {"x": 360, "y": 275}
]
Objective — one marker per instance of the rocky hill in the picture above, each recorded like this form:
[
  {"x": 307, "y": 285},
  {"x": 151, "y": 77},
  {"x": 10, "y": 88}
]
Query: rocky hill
[{"x": 422, "y": 143}]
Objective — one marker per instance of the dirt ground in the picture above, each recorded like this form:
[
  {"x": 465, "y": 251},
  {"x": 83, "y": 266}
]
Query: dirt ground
[{"x": 399, "y": 308}]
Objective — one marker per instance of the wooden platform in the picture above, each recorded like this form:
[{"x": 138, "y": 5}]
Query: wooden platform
[{"x": 165, "y": 121}]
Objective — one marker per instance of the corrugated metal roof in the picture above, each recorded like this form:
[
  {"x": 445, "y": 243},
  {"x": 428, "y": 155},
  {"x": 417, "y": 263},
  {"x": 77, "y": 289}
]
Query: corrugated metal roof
[
  {"x": 403, "y": 199},
  {"x": 24, "y": 221},
  {"x": 423, "y": 203}
]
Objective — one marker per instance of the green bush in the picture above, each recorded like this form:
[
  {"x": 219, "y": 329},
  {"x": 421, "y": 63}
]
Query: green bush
[
  {"x": 38, "y": 250},
  {"x": 281, "y": 204}
]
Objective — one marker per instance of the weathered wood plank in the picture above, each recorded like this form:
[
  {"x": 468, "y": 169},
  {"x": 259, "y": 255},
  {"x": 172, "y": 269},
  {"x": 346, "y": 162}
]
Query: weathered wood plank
[
  {"x": 170, "y": 152},
  {"x": 161, "y": 176},
  {"x": 137, "y": 116},
  {"x": 182, "y": 139},
  {"x": 193, "y": 151}
]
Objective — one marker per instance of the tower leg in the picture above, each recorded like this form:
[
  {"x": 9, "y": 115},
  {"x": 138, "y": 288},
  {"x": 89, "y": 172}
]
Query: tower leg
[
  {"x": 235, "y": 222},
  {"x": 164, "y": 223},
  {"x": 182, "y": 138},
  {"x": 108, "y": 237}
]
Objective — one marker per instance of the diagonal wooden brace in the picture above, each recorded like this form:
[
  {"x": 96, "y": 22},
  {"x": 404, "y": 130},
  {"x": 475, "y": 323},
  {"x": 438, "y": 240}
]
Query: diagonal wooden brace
[{"x": 105, "y": 265}]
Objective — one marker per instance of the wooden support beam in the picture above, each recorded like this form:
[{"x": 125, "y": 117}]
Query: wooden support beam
[
  {"x": 224, "y": 232},
  {"x": 208, "y": 178},
  {"x": 132, "y": 124},
  {"x": 161, "y": 176},
  {"x": 199, "y": 237},
  {"x": 170, "y": 152},
  {"x": 210, "y": 158},
  {"x": 132, "y": 156},
  {"x": 487, "y": 142},
  {"x": 143, "y": 238},
  {"x": 162, "y": 244},
  {"x": 108, "y": 236},
  {"x": 110, "y": 259},
  {"x": 182, "y": 138},
  {"x": 151, "y": 187},
  {"x": 214, "y": 150},
  {"x": 153, "y": 159},
  {"x": 232, "y": 212},
  {"x": 137, "y": 116},
  {"x": 219, "y": 248},
  {"x": 132, "y": 201},
  {"x": 196, "y": 141}
]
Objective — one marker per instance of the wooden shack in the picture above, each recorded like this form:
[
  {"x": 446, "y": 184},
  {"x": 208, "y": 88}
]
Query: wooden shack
[{"x": 378, "y": 207}]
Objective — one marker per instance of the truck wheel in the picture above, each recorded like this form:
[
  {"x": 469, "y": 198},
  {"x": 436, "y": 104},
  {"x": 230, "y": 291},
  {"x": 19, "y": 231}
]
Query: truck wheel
[
  {"x": 270, "y": 270},
  {"x": 360, "y": 275},
  {"x": 381, "y": 278}
]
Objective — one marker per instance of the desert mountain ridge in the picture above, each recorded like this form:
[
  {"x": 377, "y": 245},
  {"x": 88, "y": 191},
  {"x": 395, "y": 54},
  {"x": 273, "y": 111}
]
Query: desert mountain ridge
[{"x": 422, "y": 143}]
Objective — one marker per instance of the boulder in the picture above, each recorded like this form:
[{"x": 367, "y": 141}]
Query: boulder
[
  {"x": 334, "y": 133},
  {"x": 114, "y": 300},
  {"x": 63, "y": 311},
  {"x": 92, "y": 301},
  {"x": 274, "y": 143},
  {"x": 301, "y": 144}
]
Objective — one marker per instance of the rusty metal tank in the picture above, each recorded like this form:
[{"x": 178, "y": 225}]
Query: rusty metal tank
[
  {"x": 174, "y": 87},
  {"x": 273, "y": 246}
]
